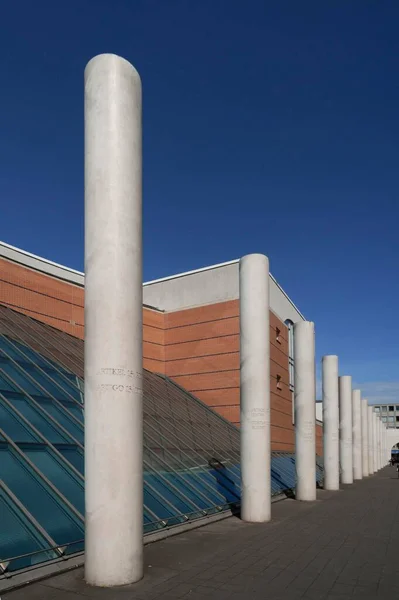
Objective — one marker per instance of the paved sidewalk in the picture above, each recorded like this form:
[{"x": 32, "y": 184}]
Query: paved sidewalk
[{"x": 345, "y": 545}]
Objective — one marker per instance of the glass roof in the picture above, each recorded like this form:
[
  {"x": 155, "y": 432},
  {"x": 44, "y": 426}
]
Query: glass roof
[{"x": 191, "y": 454}]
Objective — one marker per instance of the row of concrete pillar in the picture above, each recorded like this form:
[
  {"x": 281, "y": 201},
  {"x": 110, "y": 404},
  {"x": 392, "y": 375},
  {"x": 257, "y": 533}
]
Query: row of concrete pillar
[
  {"x": 354, "y": 438},
  {"x": 113, "y": 352}
]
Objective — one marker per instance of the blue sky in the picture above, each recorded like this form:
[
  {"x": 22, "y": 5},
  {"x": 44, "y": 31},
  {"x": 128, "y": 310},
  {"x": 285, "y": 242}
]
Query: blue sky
[{"x": 268, "y": 127}]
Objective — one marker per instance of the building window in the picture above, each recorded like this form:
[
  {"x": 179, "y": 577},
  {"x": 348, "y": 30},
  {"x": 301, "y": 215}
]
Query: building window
[
  {"x": 377, "y": 409},
  {"x": 391, "y": 409},
  {"x": 291, "y": 362},
  {"x": 384, "y": 408},
  {"x": 384, "y": 419},
  {"x": 390, "y": 419}
]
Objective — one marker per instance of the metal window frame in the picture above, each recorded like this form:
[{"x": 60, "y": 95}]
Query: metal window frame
[
  {"x": 42, "y": 438},
  {"x": 291, "y": 364},
  {"x": 182, "y": 452},
  {"x": 68, "y": 348},
  {"x": 162, "y": 412},
  {"x": 42, "y": 477},
  {"x": 227, "y": 426},
  {"x": 39, "y": 406},
  {"x": 184, "y": 467},
  {"x": 37, "y": 367},
  {"x": 37, "y": 328},
  {"x": 35, "y": 526}
]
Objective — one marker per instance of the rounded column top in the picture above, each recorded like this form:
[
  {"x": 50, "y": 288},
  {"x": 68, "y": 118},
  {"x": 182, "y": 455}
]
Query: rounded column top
[
  {"x": 304, "y": 325},
  {"x": 255, "y": 258},
  {"x": 108, "y": 62}
]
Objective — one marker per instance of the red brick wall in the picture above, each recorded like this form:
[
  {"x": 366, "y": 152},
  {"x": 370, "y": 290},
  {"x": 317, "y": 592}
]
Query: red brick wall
[
  {"x": 61, "y": 305},
  {"x": 198, "y": 347},
  {"x": 202, "y": 355},
  {"x": 282, "y": 430},
  {"x": 42, "y": 297},
  {"x": 319, "y": 440}
]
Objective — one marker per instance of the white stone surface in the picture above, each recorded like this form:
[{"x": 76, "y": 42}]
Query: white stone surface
[
  {"x": 305, "y": 421},
  {"x": 113, "y": 323},
  {"x": 357, "y": 434},
  {"x": 345, "y": 438},
  {"x": 375, "y": 443},
  {"x": 255, "y": 388},
  {"x": 365, "y": 439},
  {"x": 330, "y": 422},
  {"x": 370, "y": 430}
]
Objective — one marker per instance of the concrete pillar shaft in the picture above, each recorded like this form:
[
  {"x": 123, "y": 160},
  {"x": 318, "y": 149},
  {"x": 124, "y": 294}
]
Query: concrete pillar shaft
[
  {"x": 379, "y": 444},
  {"x": 375, "y": 443},
  {"x": 386, "y": 447},
  {"x": 113, "y": 323},
  {"x": 357, "y": 434},
  {"x": 365, "y": 439},
  {"x": 255, "y": 388},
  {"x": 305, "y": 409},
  {"x": 330, "y": 422},
  {"x": 370, "y": 438},
  {"x": 345, "y": 438}
]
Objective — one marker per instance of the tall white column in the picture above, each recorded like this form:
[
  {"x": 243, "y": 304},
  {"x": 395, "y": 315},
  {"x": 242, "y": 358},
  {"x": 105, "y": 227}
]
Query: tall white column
[
  {"x": 370, "y": 429},
  {"x": 387, "y": 446},
  {"x": 330, "y": 422},
  {"x": 345, "y": 430},
  {"x": 380, "y": 443},
  {"x": 387, "y": 457},
  {"x": 365, "y": 439},
  {"x": 305, "y": 410},
  {"x": 113, "y": 323},
  {"x": 357, "y": 434},
  {"x": 384, "y": 449},
  {"x": 255, "y": 388},
  {"x": 375, "y": 443}
]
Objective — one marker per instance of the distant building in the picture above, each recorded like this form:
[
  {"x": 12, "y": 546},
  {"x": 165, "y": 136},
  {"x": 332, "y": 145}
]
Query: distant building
[{"x": 389, "y": 414}]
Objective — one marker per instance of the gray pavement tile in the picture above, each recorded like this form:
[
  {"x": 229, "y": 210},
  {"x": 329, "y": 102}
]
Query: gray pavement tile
[
  {"x": 314, "y": 594},
  {"x": 41, "y": 592},
  {"x": 370, "y": 589},
  {"x": 73, "y": 581},
  {"x": 342, "y": 588},
  {"x": 206, "y": 590},
  {"x": 344, "y": 545},
  {"x": 302, "y": 582}
]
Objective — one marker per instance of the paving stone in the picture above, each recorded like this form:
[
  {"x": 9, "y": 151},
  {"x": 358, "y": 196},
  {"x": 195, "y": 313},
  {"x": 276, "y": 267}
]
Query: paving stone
[{"x": 343, "y": 546}]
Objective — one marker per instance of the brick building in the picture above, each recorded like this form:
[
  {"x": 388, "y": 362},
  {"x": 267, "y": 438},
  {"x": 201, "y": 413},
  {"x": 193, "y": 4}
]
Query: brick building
[{"x": 190, "y": 329}]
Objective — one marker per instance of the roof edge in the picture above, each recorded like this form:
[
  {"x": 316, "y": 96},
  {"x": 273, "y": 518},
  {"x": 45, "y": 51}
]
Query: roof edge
[
  {"x": 193, "y": 272},
  {"x": 48, "y": 267}
]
